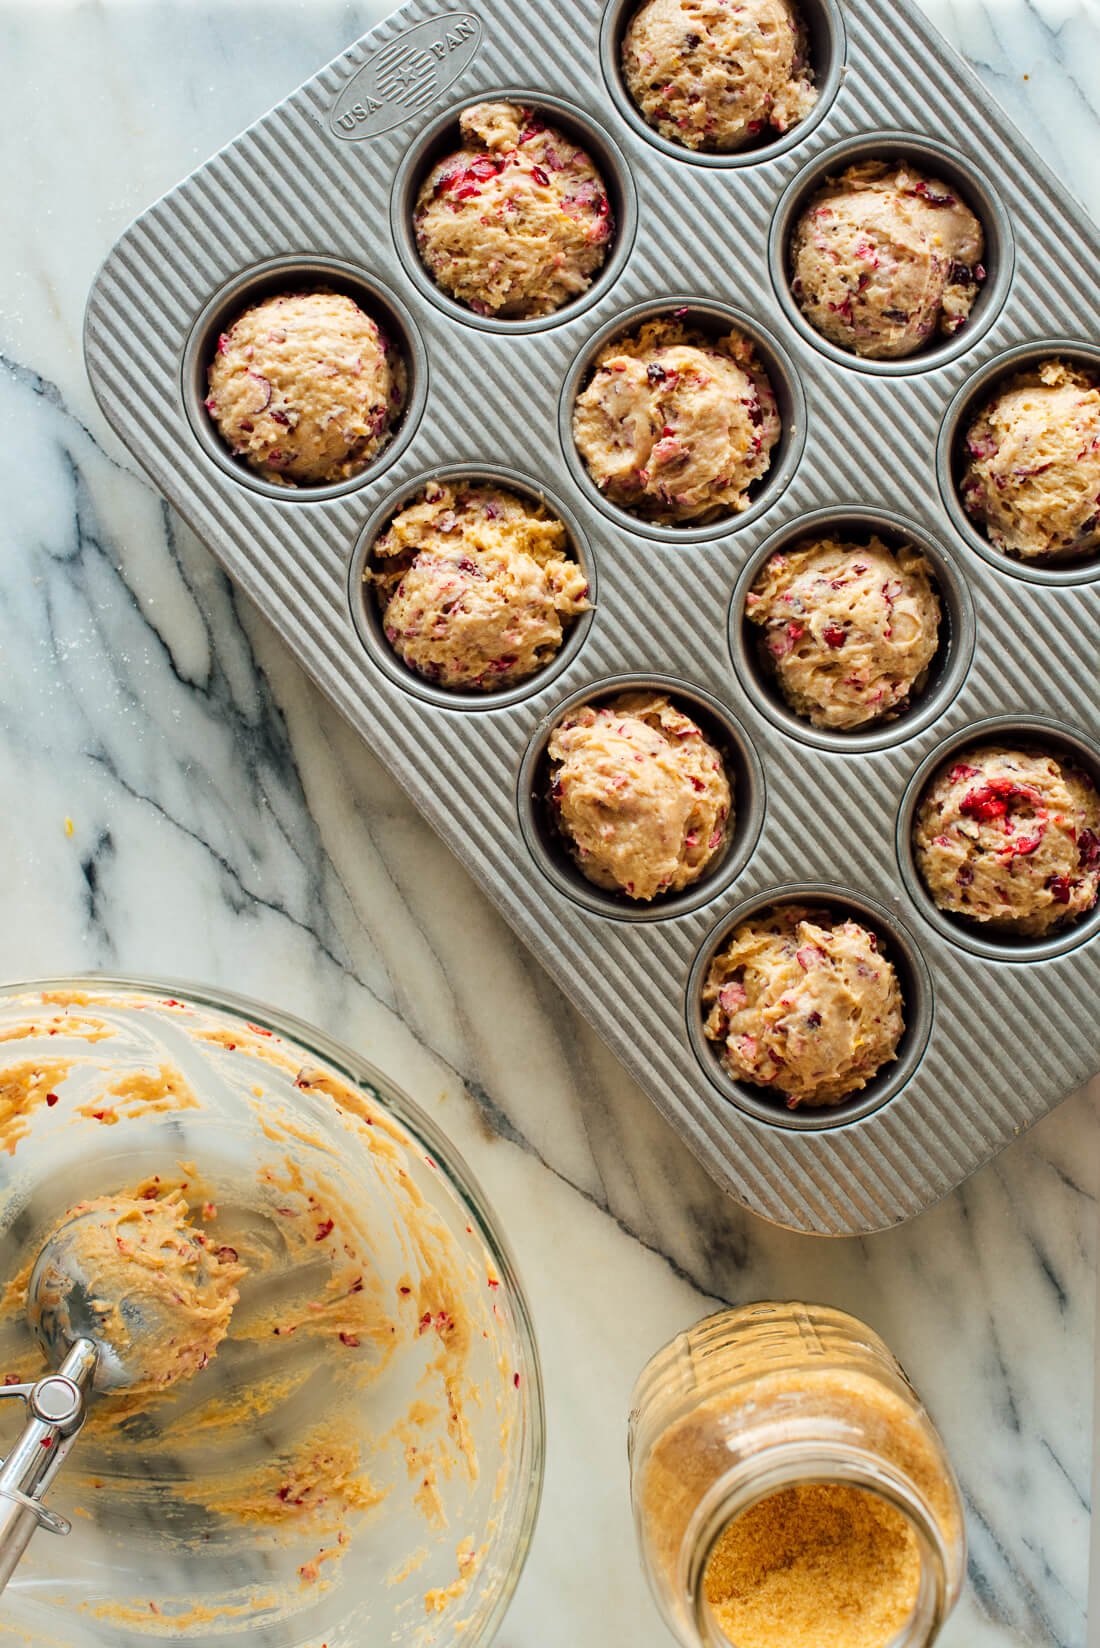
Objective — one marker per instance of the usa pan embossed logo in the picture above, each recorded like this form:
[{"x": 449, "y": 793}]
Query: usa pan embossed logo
[{"x": 405, "y": 75}]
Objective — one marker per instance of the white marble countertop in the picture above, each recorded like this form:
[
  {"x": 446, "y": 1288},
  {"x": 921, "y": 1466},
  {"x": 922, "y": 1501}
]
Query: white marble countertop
[{"x": 226, "y": 826}]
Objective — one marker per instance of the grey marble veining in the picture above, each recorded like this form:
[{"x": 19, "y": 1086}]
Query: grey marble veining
[{"x": 227, "y": 826}]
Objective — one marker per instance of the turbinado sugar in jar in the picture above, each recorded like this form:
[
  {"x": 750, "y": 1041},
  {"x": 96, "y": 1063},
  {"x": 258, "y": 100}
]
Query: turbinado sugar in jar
[{"x": 789, "y": 1487}]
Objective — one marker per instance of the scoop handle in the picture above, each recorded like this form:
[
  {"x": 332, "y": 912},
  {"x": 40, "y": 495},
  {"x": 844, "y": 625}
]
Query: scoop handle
[{"x": 55, "y": 1412}]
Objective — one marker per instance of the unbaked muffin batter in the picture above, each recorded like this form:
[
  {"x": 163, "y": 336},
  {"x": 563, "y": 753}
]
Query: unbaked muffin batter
[
  {"x": 517, "y": 221},
  {"x": 675, "y": 425},
  {"x": 641, "y": 796},
  {"x": 883, "y": 258},
  {"x": 305, "y": 388},
  {"x": 848, "y": 629},
  {"x": 1011, "y": 838},
  {"x": 803, "y": 1002},
  {"x": 476, "y": 585},
  {"x": 1032, "y": 475},
  {"x": 714, "y": 76}
]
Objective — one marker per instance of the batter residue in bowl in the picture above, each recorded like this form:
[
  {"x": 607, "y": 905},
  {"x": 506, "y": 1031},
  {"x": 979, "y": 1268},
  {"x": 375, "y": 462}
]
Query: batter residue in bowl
[{"x": 351, "y": 1334}]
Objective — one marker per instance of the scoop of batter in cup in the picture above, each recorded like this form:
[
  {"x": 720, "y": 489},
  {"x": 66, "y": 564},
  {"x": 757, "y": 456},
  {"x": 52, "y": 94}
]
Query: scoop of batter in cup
[
  {"x": 516, "y": 222},
  {"x": 476, "y": 585},
  {"x": 803, "y": 1002},
  {"x": 676, "y": 426},
  {"x": 848, "y": 630},
  {"x": 884, "y": 258},
  {"x": 1032, "y": 475},
  {"x": 717, "y": 77},
  {"x": 149, "y": 1289},
  {"x": 640, "y": 795},
  {"x": 1010, "y": 838},
  {"x": 306, "y": 388}
]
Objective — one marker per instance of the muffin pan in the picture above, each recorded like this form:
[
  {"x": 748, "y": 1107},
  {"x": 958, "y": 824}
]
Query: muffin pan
[{"x": 319, "y": 192}]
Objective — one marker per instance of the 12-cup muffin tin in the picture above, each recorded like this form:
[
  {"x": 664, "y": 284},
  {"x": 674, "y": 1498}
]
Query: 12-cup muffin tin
[{"x": 320, "y": 191}]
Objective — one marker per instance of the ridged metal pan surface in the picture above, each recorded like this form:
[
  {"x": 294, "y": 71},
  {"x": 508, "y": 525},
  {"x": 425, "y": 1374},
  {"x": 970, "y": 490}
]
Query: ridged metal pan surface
[{"x": 321, "y": 185}]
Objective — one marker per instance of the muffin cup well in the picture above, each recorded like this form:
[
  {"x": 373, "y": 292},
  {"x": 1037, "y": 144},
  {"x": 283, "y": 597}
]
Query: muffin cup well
[
  {"x": 548, "y": 847},
  {"x": 367, "y": 616},
  {"x": 824, "y": 22},
  {"x": 768, "y": 1105},
  {"x": 966, "y": 405},
  {"x": 947, "y": 672},
  {"x": 717, "y": 320},
  {"x": 932, "y": 158},
  {"x": 441, "y": 137},
  {"x": 290, "y": 274},
  {"x": 1034, "y": 732}
]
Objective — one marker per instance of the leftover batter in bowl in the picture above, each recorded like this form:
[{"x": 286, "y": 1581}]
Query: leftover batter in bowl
[
  {"x": 803, "y": 1002},
  {"x": 306, "y": 388},
  {"x": 676, "y": 425},
  {"x": 1032, "y": 476},
  {"x": 639, "y": 793},
  {"x": 331, "y": 1348},
  {"x": 476, "y": 585},
  {"x": 1010, "y": 838},
  {"x": 518, "y": 221},
  {"x": 848, "y": 630},
  {"x": 716, "y": 77},
  {"x": 885, "y": 257}
]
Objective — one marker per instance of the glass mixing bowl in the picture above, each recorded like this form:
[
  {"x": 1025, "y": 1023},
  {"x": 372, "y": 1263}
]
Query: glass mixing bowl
[{"x": 361, "y": 1460}]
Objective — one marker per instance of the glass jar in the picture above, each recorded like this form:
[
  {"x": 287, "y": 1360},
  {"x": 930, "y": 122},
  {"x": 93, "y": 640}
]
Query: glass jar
[{"x": 758, "y": 1417}]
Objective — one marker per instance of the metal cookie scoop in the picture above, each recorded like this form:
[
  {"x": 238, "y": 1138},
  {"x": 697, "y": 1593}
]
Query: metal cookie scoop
[
  {"x": 55, "y": 1413},
  {"x": 101, "y": 1302},
  {"x": 64, "y": 1321}
]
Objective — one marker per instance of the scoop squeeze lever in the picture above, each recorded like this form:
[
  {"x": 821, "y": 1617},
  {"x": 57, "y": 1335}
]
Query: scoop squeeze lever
[{"x": 56, "y": 1409}]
